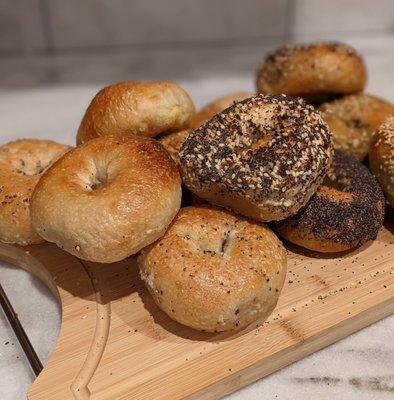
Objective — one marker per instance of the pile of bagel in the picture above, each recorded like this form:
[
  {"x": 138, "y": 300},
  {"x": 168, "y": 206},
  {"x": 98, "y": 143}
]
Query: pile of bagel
[{"x": 198, "y": 196}]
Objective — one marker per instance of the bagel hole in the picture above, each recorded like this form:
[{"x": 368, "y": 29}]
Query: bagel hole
[
  {"x": 338, "y": 189},
  {"x": 340, "y": 184},
  {"x": 100, "y": 180},
  {"x": 99, "y": 177},
  {"x": 217, "y": 247},
  {"x": 227, "y": 241}
]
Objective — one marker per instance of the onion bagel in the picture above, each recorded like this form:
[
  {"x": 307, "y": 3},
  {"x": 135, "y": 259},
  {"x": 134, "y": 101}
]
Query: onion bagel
[
  {"x": 313, "y": 71},
  {"x": 263, "y": 157},
  {"x": 137, "y": 108},
  {"x": 214, "y": 271},
  {"x": 381, "y": 158},
  {"x": 108, "y": 198},
  {"x": 22, "y": 163},
  {"x": 346, "y": 211},
  {"x": 207, "y": 112},
  {"x": 353, "y": 119}
]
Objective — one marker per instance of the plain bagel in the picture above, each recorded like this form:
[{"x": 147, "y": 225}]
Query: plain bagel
[
  {"x": 218, "y": 105},
  {"x": 137, "y": 108},
  {"x": 263, "y": 157},
  {"x": 107, "y": 198},
  {"x": 22, "y": 163},
  {"x": 214, "y": 271}
]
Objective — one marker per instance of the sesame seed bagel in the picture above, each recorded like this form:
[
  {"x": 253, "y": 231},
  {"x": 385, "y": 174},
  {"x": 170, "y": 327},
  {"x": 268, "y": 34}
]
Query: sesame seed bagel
[
  {"x": 263, "y": 157},
  {"x": 107, "y": 198},
  {"x": 173, "y": 143},
  {"x": 214, "y": 271},
  {"x": 207, "y": 112},
  {"x": 313, "y": 71},
  {"x": 137, "y": 108},
  {"x": 381, "y": 158},
  {"x": 22, "y": 163},
  {"x": 353, "y": 119},
  {"x": 344, "y": 213}
]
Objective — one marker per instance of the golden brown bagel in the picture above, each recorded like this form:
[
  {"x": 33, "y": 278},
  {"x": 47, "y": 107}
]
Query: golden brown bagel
[
  {"x": 263, "y": 157},
  {"x": 214, "y": 271},
  {"x": 344, "y": 213},
  {"x": 173, "y": 143},
  {"x": 312, "y": 71},
  {"x": 22, "y": 163},
  {"x": 381, "y": 158},
  {"x": 207, "y": 112},
  {"x": 353, "y": 119},
  {"x": 137, "y": 108},
  {"x": 107, "y": 198}
]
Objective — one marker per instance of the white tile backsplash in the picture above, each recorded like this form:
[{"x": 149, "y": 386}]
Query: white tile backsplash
[
  {"x": 21, "y": 27},
  {"x": 52, "y": 41},
  {"x": 341, "y": 16},
  {"x": 92, "y": 23},
  {"x": 179, "y": 62}
]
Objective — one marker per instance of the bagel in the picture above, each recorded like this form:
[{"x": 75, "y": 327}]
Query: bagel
[
  {"x": 137, "y": 108},
  {"x": 207, "y": 112},
  {"x": 108, "y": 198},
  {"x": 263, "y": 157},
  {"x": 22, "y": 163},
  {"x": 312, "y": 71},
  {"x": 214, "y": 271},
  {"x": 353, "y": 119},
  {"x": 344, "y": 213},
  {"x": 173, "y": 143},
  {"x": 381, "y": 158}
]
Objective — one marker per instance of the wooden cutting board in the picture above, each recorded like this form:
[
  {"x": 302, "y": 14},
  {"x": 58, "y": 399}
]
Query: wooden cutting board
[{"x": 114, "y": 342}]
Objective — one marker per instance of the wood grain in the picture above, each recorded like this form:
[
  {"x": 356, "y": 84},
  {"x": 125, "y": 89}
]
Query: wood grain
[{"x": 114, "y": 342}]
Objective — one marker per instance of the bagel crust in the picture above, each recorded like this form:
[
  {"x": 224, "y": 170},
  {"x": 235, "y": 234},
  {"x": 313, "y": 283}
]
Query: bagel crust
[
  {"x": 263, "y": 157},
  {"x": 137, "y": 108},
  {"x": 218, "y": 105},
  {"x": 346, "y": 211},
  {"x": 108, "y": 198},
  {"x": 353, "y": 119},
  {"x": 381, "y": 158},
  {"x": 173, "y": 143},
  {"x": 214, "y": 271},
  {"x": 22, "y": 163},
  {"x": 312, "y": 71}
]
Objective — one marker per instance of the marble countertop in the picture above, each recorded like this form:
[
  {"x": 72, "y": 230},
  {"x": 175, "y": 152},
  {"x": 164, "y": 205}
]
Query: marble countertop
[{"x": 358, "y": 367}]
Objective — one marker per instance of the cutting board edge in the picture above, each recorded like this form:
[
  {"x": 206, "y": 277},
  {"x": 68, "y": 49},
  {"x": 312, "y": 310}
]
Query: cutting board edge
[{"x": 296, "y": 352}]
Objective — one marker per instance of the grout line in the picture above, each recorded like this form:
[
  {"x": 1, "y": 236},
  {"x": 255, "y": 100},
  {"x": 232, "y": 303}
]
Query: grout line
[
  {"x": 183, "y": 46},
  {"x": 174, "y": 45},
  {"x": 46, "y": 26},
  {"x": 291, "y": 5},
  {"x": 147, "y": 47}
]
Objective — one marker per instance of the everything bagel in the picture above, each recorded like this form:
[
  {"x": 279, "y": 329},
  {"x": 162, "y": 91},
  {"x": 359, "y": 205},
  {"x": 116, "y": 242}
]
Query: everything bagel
[
  {"x": 263, "y": 157},
  {"x": 22, "y": 163},
  {"x": 214, "y": 271},
  {"x": 313, "y": 71}
]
